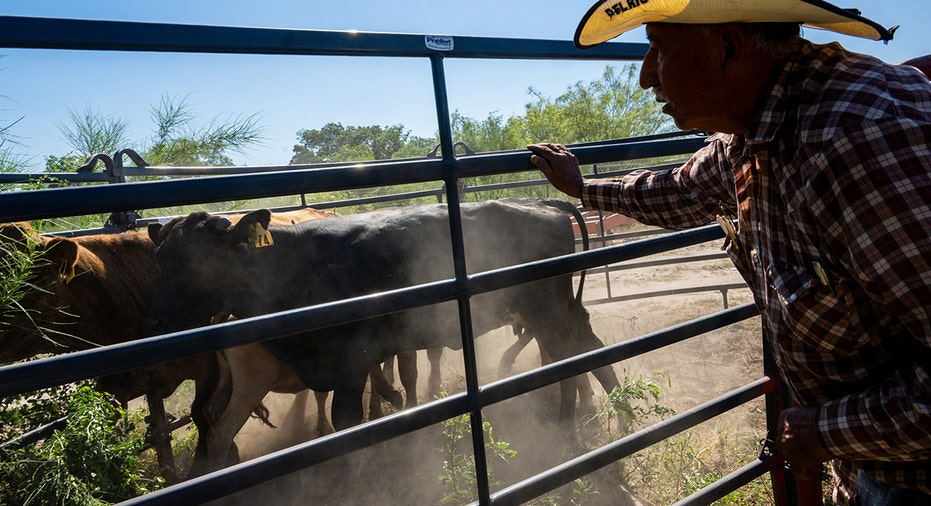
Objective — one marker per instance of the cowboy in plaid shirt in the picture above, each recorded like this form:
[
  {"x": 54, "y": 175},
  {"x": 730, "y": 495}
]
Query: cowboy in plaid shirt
[{"x": 822, "y": 165}]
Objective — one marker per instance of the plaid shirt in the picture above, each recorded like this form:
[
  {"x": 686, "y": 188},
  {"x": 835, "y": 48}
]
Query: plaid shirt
[{"x": 832, "y": 193}]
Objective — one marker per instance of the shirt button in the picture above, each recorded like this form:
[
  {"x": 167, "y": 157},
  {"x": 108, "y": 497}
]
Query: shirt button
[{"x": 793, "y": 297}]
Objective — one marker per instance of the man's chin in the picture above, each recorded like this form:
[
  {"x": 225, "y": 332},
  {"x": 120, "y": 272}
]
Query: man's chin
[{"x": 671, "y": 111}]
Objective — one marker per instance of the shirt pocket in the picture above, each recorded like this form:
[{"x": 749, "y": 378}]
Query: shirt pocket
[{"x": 818, "y": 316}]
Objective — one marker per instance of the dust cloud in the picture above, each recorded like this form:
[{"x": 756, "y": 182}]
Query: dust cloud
[{"x": 408, "y": 470}]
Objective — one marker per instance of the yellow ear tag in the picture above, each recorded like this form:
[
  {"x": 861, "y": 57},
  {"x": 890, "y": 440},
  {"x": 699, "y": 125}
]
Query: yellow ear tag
[
  {"x": 259, "y": 237},
  {"x": 66, "y": 272}
]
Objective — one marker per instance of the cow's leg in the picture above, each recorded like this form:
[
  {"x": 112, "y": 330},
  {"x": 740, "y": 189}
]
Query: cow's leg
[
  {"x": 161, "y": 437},
  {"x": 552, "y": 344},
  {"x": 347, "y": 398},
  {"x": 407, "y": 370},
  {"x": 582, "y": 383},
  {"x": 297, "y": 414},
  {"x": 375, "y": 411},
  {"x": 387, "y": 367},
  {"x": 567, "y": 336},
  {"x": 586, "y": 394},
  {"x": 510, "y": 354},
  {"x": 253, "y": 372},
  {"x": 381, "y": 389},
  {"x": 205, "y": 383},
  {"x": 237, "y": 412},
  {"x": 323, "y": 424},
  {"x": 567, "y": 390},
  {"x": 585, "y": 337},
  {"x": 434, "y": 381},
  {"x": 213, "y": 390}
]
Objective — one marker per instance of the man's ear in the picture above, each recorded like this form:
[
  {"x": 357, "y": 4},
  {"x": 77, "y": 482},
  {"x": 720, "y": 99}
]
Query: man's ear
[
  {"x": 733, "y": 42},
  {"x": 253, "y": 229},
  {"x": 62, "y": 254}
]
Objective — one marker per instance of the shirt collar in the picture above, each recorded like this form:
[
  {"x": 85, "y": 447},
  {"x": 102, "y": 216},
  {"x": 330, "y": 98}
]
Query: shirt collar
[{"x": 773, "y": 111}]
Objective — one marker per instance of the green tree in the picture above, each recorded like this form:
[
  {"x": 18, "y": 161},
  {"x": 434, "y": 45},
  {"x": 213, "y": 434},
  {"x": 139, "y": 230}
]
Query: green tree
[
  {"x": 613, "y": 107},
  {"x": 490, "y": 134},
  {"x": 90, "y": 132},
  {"x": 177, "y": 139},
  {"x": 179, "y": 142},
  {"x": 336, "y": 143}
]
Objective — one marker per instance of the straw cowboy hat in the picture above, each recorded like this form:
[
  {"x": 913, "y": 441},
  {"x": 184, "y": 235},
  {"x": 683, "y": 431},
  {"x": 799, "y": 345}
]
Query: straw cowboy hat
[{"x": 609, "y": 18}]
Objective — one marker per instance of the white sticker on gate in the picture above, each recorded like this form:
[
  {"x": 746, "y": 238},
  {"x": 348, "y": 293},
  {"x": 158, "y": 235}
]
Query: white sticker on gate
[{"x": 438, "y": 42}]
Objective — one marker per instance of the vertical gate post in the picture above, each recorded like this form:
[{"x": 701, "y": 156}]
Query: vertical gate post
[
  {"x": 788, "y": 490},
  {"x": 458, "y": 249}
]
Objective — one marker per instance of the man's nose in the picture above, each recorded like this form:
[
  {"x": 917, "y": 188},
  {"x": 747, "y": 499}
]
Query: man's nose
[{"x": 648, "y": 77}]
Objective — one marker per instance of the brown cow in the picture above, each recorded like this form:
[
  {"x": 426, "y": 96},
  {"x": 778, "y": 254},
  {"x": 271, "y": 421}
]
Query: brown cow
[{"x": 91, "y": 291}]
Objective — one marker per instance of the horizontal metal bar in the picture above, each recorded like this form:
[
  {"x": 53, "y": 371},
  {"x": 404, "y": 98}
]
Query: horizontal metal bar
[
  {"x": 227, "y": 170},
  {"x": 60, "y": 202},
  {"x": 274, "y": 465},
  {"x": 664, "y": 261},
  {"x": 84, "y": 34},
  {"x": 438, "y": 193},
  {"x": 593, "y": 258},
  {"x": 630, "y": 235},
  {"x": 731, "y": 482},
  {"x": 72, "y": 177},
  {"x": 666, "y": 293},
  {"x": 34, "y": 435},
  {"x": 578, "y": 467},
  {"x": 557, "y": 371},
  {"x": 28, "y": 376}
]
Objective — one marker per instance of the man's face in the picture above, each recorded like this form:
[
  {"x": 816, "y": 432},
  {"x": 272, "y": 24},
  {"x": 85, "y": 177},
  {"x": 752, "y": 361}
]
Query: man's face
[{"x": 680, "y": 68}]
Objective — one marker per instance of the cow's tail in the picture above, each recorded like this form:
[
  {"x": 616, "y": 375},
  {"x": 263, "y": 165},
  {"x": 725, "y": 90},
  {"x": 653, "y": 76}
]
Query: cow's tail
[{"x": 571, "y": 209}]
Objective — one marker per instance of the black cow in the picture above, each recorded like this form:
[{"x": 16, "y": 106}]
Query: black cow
[{"x": 208, "y": 265}]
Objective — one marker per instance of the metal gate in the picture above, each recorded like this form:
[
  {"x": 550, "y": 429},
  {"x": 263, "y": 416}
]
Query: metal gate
[{"x": 256, "y": 182}]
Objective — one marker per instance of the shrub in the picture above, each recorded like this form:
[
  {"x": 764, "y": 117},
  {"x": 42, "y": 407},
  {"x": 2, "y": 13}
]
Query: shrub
[{"x": 93, "y": 460}]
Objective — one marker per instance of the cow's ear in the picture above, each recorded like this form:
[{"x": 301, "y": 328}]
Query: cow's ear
[
  {"x": 253, "y": 229},
  {"x": 19, "y": 233},
  {"x": 153, "y": 229},
  {"x": 158, "y": 232},
  {"x": 62, "y": 254}
]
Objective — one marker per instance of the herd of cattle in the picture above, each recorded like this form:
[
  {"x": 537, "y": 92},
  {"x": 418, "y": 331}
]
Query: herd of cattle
[{"x": 204, "y": 269}]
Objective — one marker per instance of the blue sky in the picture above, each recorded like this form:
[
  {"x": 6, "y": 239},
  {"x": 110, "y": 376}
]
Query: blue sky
[{"x": 290, "y": 93}]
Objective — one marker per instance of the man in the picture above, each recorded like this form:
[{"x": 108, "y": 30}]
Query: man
[{"x": 819, "y": 171}]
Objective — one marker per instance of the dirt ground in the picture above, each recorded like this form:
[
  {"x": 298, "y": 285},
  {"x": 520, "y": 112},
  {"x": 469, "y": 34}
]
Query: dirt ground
[{"x": 408, "y": 470}]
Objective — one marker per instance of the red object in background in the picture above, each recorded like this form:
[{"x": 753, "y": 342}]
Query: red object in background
[{"x": 922, "y": 63}]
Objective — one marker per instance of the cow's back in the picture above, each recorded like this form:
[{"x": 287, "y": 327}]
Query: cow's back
[
  {"x": 361, "y": 254},
  {"x": 392, "y": 248}
]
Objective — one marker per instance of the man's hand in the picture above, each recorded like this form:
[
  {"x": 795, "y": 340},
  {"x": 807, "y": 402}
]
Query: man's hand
[
  {"x": 797, "y": 439},
  {"x": 559, "y": 165}
]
